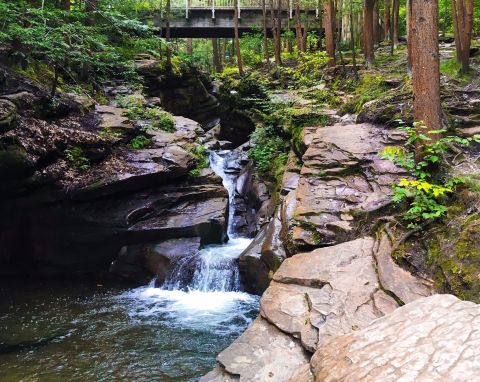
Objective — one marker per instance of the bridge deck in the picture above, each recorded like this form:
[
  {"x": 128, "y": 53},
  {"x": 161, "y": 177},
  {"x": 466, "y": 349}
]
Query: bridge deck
[{"x": 215, "y": 18}]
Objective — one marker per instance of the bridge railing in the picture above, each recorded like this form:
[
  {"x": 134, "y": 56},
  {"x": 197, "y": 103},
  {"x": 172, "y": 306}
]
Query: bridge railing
[{"x": 249, "y": 4}]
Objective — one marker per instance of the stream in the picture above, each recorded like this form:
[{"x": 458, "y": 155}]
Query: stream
[{"x": 72, "y": 331}]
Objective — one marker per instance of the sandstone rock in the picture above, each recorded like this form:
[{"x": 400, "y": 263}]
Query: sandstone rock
[
  {"x": 302, "y": 374},
  {"x": 113, "y": 118},
  {"x": 219, "y": 375},
  {"x": 342, "y": 174},
  {"x": 395, "y": 279},
  {"x": 263, "y": 353},
  {"x": 261, "y": 259},
  {"x": 236, "y": 127},
  {"x": 431, "y": 339},
  {"x": 8, "y": 114},
  {"x": 327, "y": 292}
]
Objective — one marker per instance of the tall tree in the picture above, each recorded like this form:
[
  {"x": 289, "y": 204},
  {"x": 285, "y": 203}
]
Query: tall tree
[
  {"x": 425, "y": 66},
  {"x": 278, "y": 32},
  {"x": 265, "y": 32},
  {"x": 329, "y": 23},
  {"x": 167, "y": 35},
  {"x": 217, "y": 61},
  {"x": 298, "y": 26},
  {"x": 386, "y": 18},
  {"x": 462, "y": 15},
  {"x": 189, "y": 46},
  {"x": 409, "y": 35},
  {"x": 91, "y": 9},
  {"x": 237, "y": 38},
  {"x": 368, "y": 35},
  {"x": 396, "y": 13}
]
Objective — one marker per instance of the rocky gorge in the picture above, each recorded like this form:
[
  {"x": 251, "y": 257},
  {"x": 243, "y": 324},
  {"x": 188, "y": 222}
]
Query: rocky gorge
[{"x": 347, "y": 294}]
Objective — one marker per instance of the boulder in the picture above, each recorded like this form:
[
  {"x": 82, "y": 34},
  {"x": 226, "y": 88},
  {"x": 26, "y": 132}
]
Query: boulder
[
  {"x": 327, "y": 292},
  {"x": 431, "y": 339},
  {"x": 261, "y": 353},
  {"x": 262, "y": 257},
  {"x": 155, "y": 259},
  {"x": 342, "y": 182},
  {"x": 8, "y": 115}
]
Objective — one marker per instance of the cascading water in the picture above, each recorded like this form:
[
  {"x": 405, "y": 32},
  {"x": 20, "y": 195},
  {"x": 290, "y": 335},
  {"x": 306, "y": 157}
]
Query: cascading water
[
  {"x": 94, "y": 332},
  {"x": 211, "y": 299}
]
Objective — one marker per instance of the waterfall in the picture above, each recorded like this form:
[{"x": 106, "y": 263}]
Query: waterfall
[{"x": 215, "y": 267}]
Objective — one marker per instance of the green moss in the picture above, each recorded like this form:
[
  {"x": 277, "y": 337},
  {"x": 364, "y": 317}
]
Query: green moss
[{"x": 457, "y": 258}]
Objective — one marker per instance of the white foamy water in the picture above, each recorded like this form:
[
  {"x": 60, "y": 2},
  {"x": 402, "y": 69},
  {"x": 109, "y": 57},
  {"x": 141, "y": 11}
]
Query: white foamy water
[{"x": 203, "y": 290}]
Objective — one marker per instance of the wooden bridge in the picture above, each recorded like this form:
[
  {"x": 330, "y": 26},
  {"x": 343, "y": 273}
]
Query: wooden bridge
[{"x": 215, "y": 18}]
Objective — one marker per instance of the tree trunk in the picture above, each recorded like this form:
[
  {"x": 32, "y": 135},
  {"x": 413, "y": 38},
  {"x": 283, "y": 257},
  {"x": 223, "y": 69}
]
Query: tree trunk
[
  {"x": 65, "y": 5},
  {"x": 462, "y": 16},
  {"x": 329, "y": 22},
  {"x": 237, "y": 39},
  {"x": 425, "y": 67},
  {"x": 273, "y": 22},
  {"x": 217, "y": 62},
  {"x": 352, "y": 42},
  {"x": 167, "y": 37},
  {"x": 396, "y": 11},
  {"x": 386, "y": 19},
  {"x": 278, "y": 31},
  {"x": 376, "y": 27},
  {"x": 265, "y": 32},
  {"x": 368, "y": 36},
  {"x": 409, "y": 36},
  {"x": 91, "y": 8},
  {"x": 189, "y": 46},
  {"x": 298, "y": 26}
]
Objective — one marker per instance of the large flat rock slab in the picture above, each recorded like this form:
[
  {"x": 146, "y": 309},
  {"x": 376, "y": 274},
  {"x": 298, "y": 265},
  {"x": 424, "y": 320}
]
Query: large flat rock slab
[
  {"x": 262, "y": 353},
  {"x": 431, "y": 339},
  {"x": 328, "y": 292}
]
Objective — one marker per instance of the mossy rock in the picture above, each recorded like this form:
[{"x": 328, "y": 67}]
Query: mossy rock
[
  {"x": 14, "y": 162},
  {"x": 454, "y": 249},
  {"x": 8, "y": 115}
]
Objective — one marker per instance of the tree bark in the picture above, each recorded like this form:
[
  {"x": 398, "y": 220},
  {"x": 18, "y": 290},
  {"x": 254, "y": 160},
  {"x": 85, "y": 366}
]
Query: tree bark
[
  {"x": 396, "y": 11},
  {"x": 298, "y": 26},
  {"x": 368, "y": 34},
  {"x": 217, "y": 62},
  {"x": 237, "y": 39},
  {"x": 329, "y": 23},
  {"x": 409, "y": 36},
  {"x": 91, "y": 8},
  {"x": 352, "y": 42},
  {"x": 462, "y": 16},
  {"x": 265, "y": 32},
  {"x": 278, "y": 32},
  {"x": 425, "y": 68},
  {"x": 189, "y": 46},
  {"x": 386, "y": 19}
]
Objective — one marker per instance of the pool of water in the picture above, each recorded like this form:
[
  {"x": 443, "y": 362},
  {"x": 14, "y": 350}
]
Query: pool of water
[{"x": 70, "y": 331}]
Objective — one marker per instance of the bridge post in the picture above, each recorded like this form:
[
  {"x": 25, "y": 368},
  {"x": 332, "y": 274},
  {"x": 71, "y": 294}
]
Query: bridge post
[
  {"x": 213, "y": 9},
  {"x": 186, "y": 9},
  {"x": 290, "y": 8},
  {"x": 238, "y": 4}
]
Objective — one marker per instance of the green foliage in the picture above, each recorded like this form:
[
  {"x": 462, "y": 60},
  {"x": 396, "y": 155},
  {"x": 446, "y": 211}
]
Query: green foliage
[
  {"x": 77, "y": 159},
  {"x": 451, "y": 68},
  {"x": 140, "y": 142},
  {"x": 309, "y": 69},
  {"x": 368, "y": 88},
  {"x": 201, "y": 157},
  {"x": 426, "y": 199},
  {"x": 268, "y": 152},
  {"x": 158, "y": 119}
]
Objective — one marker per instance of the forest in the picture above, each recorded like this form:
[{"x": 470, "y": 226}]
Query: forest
[{"x": 239, "y": 190}]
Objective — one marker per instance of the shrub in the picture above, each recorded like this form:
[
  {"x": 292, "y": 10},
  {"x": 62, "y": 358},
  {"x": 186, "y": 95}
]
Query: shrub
[
  {"x": 140, "y": 142},
  {"x": 77, "y": 159},
  {"x": 201, "y": 156}
]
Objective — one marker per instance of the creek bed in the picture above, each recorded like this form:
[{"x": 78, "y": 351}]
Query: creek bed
[{"x": 71, "y": 331}]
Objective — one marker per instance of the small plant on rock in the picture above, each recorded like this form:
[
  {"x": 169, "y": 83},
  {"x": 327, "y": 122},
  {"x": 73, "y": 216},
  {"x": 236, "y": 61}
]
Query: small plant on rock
[
  {"x": 140, "y": 142},
  {"x": 77, "y": 159}
]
